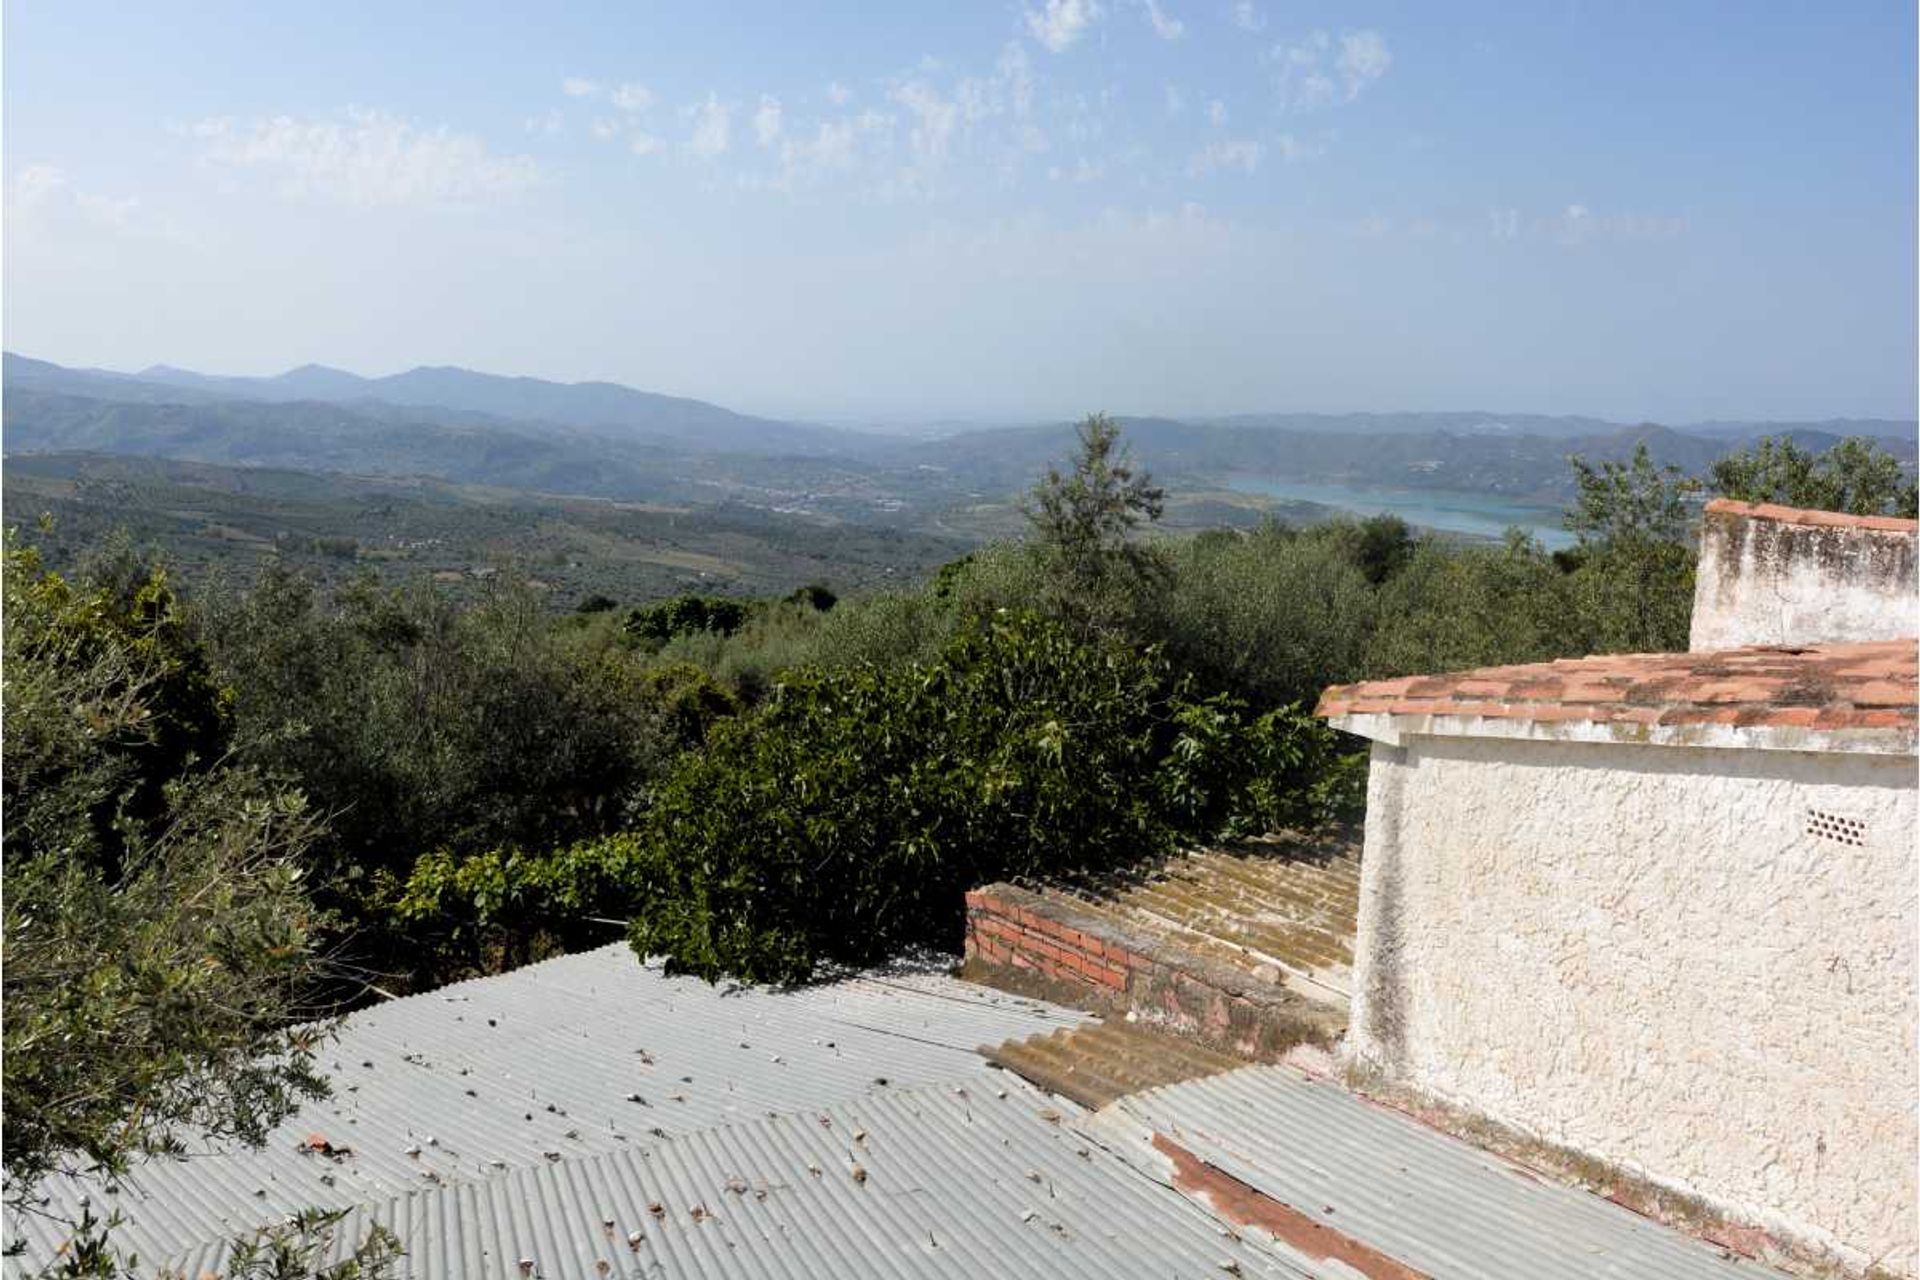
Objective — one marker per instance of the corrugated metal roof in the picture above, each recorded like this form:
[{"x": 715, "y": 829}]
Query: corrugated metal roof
[
  {"x": 981, "y": 1178},
  {"x": 557, "y": 1061},
  {"x": 1435, "y": 1204}
]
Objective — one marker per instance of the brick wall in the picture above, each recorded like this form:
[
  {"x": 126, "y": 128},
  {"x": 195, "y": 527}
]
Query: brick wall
[{"x": 1042, "y": 946}]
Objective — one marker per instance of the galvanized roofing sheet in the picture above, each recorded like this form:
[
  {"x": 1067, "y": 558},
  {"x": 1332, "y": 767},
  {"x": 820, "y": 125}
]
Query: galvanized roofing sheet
[
  {"x": 1435, "y": 1204},
  {"x": 557, "y": 1061},
  {"x": 979, "y": 1178}
]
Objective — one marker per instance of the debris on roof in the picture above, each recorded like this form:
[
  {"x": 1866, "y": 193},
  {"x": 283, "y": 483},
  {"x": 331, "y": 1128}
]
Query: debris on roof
[
  {"x": 1371, "y": 1191},
  {"x": 983, "y": 1175},
  {"x": 553, "y": 1062}
]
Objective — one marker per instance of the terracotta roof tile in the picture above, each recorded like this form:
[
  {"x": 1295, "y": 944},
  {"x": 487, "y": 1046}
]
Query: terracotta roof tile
[
  {"x": 1807, "y": 516},
  {"x": 1869, "y": 685}
]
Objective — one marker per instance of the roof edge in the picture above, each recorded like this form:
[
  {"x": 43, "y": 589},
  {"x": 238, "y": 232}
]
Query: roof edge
[
  {"x": 1809, "y": 516},
  {"x": 1393, "y": 730}
]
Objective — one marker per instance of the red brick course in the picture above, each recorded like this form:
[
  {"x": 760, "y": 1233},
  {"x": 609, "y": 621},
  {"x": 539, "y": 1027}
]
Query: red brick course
[{"x": 1088, "y": 963}]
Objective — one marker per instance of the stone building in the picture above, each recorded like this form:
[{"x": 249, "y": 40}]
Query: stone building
[{"x": 1660, "y": 909}]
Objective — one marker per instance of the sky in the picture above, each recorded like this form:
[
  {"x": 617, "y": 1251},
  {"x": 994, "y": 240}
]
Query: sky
[{"x": 991, "y": 211}]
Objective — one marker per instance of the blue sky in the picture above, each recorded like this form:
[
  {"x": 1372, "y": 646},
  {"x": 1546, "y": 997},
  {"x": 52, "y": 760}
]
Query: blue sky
[{"x": 987, "y": 211}]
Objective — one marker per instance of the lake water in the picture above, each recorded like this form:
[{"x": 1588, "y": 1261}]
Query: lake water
[{"x": 1486, "y": 515}]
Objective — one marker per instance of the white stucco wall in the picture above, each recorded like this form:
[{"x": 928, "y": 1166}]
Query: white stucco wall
[
  {"x": 1640, "y": 953},
  {"x": 1769, "y": 581}
]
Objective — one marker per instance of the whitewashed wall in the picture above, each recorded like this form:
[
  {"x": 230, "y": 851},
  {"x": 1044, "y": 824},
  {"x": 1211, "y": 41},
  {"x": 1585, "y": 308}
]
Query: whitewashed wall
[
  {"x": 1641, "y": 953},
  {"x": 1771, "y": 581}
]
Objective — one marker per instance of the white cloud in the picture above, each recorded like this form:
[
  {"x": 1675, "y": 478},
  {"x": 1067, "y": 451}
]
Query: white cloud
[
  {"x": 1248, "y": 17},
  {"x": 1062, "y": 22},
  {"x": 37, "y": 184},
  {"x": 1217, "y": 113},
  {"x": 633, "y": 97},
  {"x": 1215, "y": 156},
  {"x": 604, "y": 129},
  {"x": 838, "y": 94},
  {"x": 577, "y": 87},
  {"x": 767, "y": 121},
  {"x": 642, "y": 143},
  {"x": 1363, "y": 59},
  {"x": 1315, "y": 72},
  {"x": 1176, "y": 101},
  {"x": 1165, "y": 25},
  {"x": 935, "y": 120},
  {"x": 43, "y": 193},
  {"x": 368, "y": 158},
  {"x": 712, "y": 128}
]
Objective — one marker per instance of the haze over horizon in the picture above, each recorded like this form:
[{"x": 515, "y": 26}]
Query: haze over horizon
[{"x": 1017, "y": 212}]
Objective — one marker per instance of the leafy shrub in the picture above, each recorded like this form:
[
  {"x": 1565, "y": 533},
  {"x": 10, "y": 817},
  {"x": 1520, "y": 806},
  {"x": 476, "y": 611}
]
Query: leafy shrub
[
  {"x": 157, "y": 936},
  {"x": 1455, "y": 607},
  {"x": 686, "y": 615},
  {"x": 415, "y": 725},
  {"x": 845, "y": 817},
  {"x": 1856, "y": 475},
  {"x": 1272, "y": 617}
]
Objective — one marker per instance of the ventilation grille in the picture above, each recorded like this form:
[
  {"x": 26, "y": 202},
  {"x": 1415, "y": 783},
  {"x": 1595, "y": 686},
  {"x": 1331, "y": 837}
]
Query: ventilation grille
[{"x": 1831, "y": 826}]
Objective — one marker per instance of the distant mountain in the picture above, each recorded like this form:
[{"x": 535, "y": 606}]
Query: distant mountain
[
  {"x": 1469, "y": 422},
  {"x": 603, "y": 408},
  {"x": 603, "y": 439},
  {"x": 1567, "y": 427},
  {"x": 1883, "y": 429},
  {"x": 1360, "y": 454}
]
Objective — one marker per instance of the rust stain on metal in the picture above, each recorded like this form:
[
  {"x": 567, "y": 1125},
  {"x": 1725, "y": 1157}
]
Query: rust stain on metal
[{"x": 1251, "y": 1208}]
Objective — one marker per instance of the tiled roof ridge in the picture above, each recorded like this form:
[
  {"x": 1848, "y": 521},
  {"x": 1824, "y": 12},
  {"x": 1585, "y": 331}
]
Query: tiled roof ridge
[
  {"x": 1855, "y": 685},
  {"x": 1809, "y": 516}
]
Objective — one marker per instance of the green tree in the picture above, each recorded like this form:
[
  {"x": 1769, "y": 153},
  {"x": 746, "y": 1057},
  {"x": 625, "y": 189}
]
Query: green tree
[
  {"x": 151, "y": 962},
  {"x": 1634, "y": 575},
  {"x": 1856, "y": 476},
  {"x": 845, "y": 817},
  {"x": 1083, "y": 522}
]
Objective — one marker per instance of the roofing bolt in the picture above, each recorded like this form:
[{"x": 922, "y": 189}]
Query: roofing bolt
[
  {"x": 657, "y": 1209},
  {"x": 634, "y": 1097},
  {"x": 699, "y": 1212},
  {"x": 881, "y": 1081},
  {"x": 1029, "y": 1216},
  {"x": 634, "y": 1239},
  {"x": 860, "y": 1136},
  {"x": 603, "y": 1267},
  {"x": 737, "y": 1185},
  {"x": 413, "y": 1150},
  {"x": 1033, "y": 1175},
  {"x": 526, "y": 1266},
  {"x": 859, "y": 1174}
]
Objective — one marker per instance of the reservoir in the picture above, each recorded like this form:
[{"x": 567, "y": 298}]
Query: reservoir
[{"x": 1484, "y": 515}]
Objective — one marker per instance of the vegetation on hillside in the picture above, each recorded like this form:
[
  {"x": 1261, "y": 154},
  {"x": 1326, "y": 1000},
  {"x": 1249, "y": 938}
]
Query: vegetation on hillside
[{"x": 230, "y": 813}]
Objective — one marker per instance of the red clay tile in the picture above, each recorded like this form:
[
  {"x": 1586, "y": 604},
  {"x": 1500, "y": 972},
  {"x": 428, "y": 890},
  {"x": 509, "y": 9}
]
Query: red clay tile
[{"x": 1831, "y": 686}]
